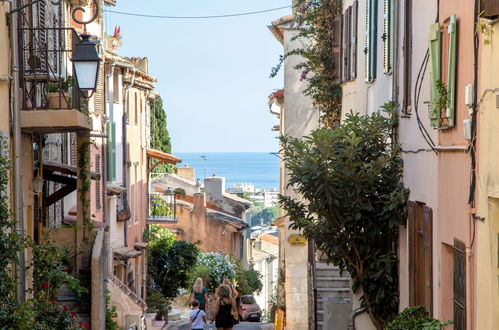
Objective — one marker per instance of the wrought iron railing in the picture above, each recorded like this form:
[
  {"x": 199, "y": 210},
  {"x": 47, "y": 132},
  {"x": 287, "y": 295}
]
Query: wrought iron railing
[
  {"x": 161, "y": 207},
  {"x": 45, "y": 49},
  {"x": 128, "y": 291}
]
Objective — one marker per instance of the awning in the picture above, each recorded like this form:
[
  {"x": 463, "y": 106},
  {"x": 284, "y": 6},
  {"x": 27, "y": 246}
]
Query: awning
[
  {"x": 141, "y": 246},
  {"x": 114, "y": 189},
  {"x": 123, "y": 253},
  {"x": 162, "y": 157}
]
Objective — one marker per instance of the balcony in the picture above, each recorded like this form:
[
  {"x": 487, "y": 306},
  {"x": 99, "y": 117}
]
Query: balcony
[
  {"x": 161, "y": 208},
  {"x": 50, "y": 100}
]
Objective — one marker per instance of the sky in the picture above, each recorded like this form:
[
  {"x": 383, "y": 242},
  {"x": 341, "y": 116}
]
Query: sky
[{"x": 213, "y": 74}]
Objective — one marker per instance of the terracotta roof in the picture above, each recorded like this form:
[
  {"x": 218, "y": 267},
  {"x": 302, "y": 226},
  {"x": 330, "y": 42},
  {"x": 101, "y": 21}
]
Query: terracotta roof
[
  {"x": 126, "y": 253},
  {"x": 277, "y": 29},
  {"x": 269, "y": 238},
  {"x": 163, "y": 156}
]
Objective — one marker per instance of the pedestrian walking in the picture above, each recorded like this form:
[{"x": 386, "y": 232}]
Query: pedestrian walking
[
  {"x": 197, "y": 316},
  {"x": 225, "y": 308},
  {"x": 198, "y": 292},
  {"x": 235, "y": 296}
]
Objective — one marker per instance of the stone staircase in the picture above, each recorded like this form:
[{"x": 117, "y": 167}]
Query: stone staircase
[{"x": 334, "y": 298}]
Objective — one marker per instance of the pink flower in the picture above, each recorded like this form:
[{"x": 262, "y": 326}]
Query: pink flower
[
  {"x": 65, "y": 308},
  {"x": 87, "y": 326},
  {"x": 45, "y": 285}
]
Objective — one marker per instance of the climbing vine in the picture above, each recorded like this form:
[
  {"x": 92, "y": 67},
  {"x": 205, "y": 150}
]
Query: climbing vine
[{"x": 315, "y": 19}]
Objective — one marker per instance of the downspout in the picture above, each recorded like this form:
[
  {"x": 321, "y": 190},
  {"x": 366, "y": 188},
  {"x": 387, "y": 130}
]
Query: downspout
[
  {"x": 312, "y": 260},
  {"x": 353, "y": 315},
  {"x": 16, "y": 130},
  {"x": 125, "y": 156}
]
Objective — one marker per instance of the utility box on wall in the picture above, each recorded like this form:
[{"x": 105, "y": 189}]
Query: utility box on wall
[{"x": 336, "y": 312}]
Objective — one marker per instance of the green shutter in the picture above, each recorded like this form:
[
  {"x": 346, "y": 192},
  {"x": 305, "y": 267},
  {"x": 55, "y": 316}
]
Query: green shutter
[
  {"x": 451, "y": 71},
  {"x": 387, "y": 17},
  {"x": 435, "y": 54},
  {"x": 367, "y": 50},
  {"x": 111, "y": 151},
  {"x": 374, "y": 38}
]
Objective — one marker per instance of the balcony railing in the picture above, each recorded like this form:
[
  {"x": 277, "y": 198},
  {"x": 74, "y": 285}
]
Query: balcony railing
[
  {"x": 161, "y": 208},
  {"x": 45, "y": 49}
]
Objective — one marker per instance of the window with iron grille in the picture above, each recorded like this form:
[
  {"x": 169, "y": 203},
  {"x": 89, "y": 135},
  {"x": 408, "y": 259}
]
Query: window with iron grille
[{"x": 98, "y": 204}]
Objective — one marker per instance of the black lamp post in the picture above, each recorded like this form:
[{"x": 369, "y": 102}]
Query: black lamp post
[{"x": 86, "y": 62}]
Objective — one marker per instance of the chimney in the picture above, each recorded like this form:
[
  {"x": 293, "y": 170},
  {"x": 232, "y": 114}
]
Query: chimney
[
  {"x": 186, "y": 172},
  {"x": 215, "y": 187},
  {"x": 199, "y": 202}
]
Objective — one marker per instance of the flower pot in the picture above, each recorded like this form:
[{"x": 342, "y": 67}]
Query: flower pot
[{"x": 58, "y": 100}]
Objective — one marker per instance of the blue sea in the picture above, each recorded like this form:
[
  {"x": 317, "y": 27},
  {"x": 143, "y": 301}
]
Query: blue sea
[{"x": 260, "y": 169}]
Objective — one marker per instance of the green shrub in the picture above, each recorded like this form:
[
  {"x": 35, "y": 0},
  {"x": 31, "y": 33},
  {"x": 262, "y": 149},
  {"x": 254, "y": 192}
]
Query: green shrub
[
  {"x": 157, "y": 303},
  {"x": 416, "y": 318}
]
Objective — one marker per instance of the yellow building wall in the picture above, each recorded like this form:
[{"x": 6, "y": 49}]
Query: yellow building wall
[{"x": 487, "y": 231}]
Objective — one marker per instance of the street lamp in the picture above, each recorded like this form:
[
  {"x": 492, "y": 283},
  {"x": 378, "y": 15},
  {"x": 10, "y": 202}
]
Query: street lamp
[
  {"x": 86, "y": 62},
  {"x": 171, "y": 201}
]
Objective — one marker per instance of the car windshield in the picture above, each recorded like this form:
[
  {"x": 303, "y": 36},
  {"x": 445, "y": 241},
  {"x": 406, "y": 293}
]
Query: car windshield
[{"x": 247, "y": 300}]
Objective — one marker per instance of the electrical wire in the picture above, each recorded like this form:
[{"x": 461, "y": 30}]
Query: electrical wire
[{"x": 196, "y": 17}]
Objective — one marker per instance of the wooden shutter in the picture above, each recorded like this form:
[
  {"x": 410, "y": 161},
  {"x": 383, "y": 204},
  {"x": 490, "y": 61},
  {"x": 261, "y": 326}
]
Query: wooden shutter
[
  {"x": 451, "y": 71},
  {"x": 435, "y": 55},
  {"x": 111, "y": 151},
  {"x": 367, "y": 49},
  {"x": 99, "y": 102},
  {"x": 346, "y": 45},
  {"x": 407, "y": 104},
  {"x": 489, "y": 8},
  {"x": 371, "y": 39},
  {"x": 337, "y": 49},
  {"x": 459, "y": 277},
  {"x": 353, "y": 46},
  {"x": 387, "y": 17},
  {"x": 411, "y": 218},
  {"x": 427, "y": 299}
]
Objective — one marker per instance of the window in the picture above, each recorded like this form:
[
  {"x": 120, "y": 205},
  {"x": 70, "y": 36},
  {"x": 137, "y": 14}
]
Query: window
[
  {"x": 97, "y": 184},
  {"x": 387, "y": 36},
  {"x": 337, "y": 49},
  {"x": 407, "y": 104},
  {"x": 459, "y": 280},
  {"x": 371, "y": 32},
  {"x": 420, "y": 224},
  {"x": 443, "y": 43},
  {"x": 349, "y": 45}
]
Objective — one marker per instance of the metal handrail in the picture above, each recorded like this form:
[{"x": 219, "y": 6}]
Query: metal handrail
[{"x": 128, "y": 291}]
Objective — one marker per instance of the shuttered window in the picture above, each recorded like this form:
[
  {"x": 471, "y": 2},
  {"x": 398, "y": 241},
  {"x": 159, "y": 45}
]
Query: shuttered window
[
  {"x": 407, "y": 104},
  {"x": 349, "y": 43},
  {"x": 337, "y": 49},
  {"x": 353, "y": 46},
  {"x": 443, "y": 47},
  {"x": 420, "y": 224},
  {"x": 459, "y": 284},
  {"x": 98, "y": 197},
  {"x": 371, "y": 41},
  {"x": 435, "y": 56},
  {"x": 387, "y": 40}
]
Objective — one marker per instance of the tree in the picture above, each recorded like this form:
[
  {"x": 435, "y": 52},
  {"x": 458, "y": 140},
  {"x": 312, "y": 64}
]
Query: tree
[
  {"x": 160, "y": 138},
  {"x": 169, "y": 262},
  {"x": 265, "y": 217},
  {"x": 350, "y": 179}
]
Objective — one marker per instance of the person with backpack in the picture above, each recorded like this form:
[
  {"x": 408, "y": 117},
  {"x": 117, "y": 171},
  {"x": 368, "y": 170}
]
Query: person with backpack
[{"x": 197, "y": 316}]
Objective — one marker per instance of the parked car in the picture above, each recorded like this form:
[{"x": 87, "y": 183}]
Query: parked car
[{"x": 249, "y": 309}]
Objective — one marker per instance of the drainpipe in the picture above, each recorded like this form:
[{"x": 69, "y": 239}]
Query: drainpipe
[
  {"x": 16, "y": 130},
  {"x": 125, "y": 155},
  {"x": 353, "y": 315}
]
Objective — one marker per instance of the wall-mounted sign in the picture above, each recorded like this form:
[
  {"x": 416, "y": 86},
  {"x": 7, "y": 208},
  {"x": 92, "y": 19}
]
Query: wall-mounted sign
[{"x": 296, "y": 239}]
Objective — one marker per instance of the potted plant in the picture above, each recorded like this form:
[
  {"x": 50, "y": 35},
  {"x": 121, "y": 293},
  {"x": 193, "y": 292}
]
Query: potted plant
[{"x": 58, "y": 93}]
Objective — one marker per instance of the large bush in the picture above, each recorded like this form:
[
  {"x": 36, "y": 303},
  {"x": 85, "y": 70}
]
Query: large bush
[
  {"x": 169, "y": 262},
  {"x": 350, "y": 178},
  {"x": 220, "y": 268}
]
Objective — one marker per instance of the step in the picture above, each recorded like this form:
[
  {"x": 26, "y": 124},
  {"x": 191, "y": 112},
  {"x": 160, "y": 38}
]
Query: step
[
  {"x": 320, "y": 301},
  {"x": 333, "y": 282},
  {"x": 336, "y": 293}
]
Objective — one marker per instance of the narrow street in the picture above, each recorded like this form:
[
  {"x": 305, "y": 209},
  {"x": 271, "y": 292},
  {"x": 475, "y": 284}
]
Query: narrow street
[{"x": 241, "y": 326}]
